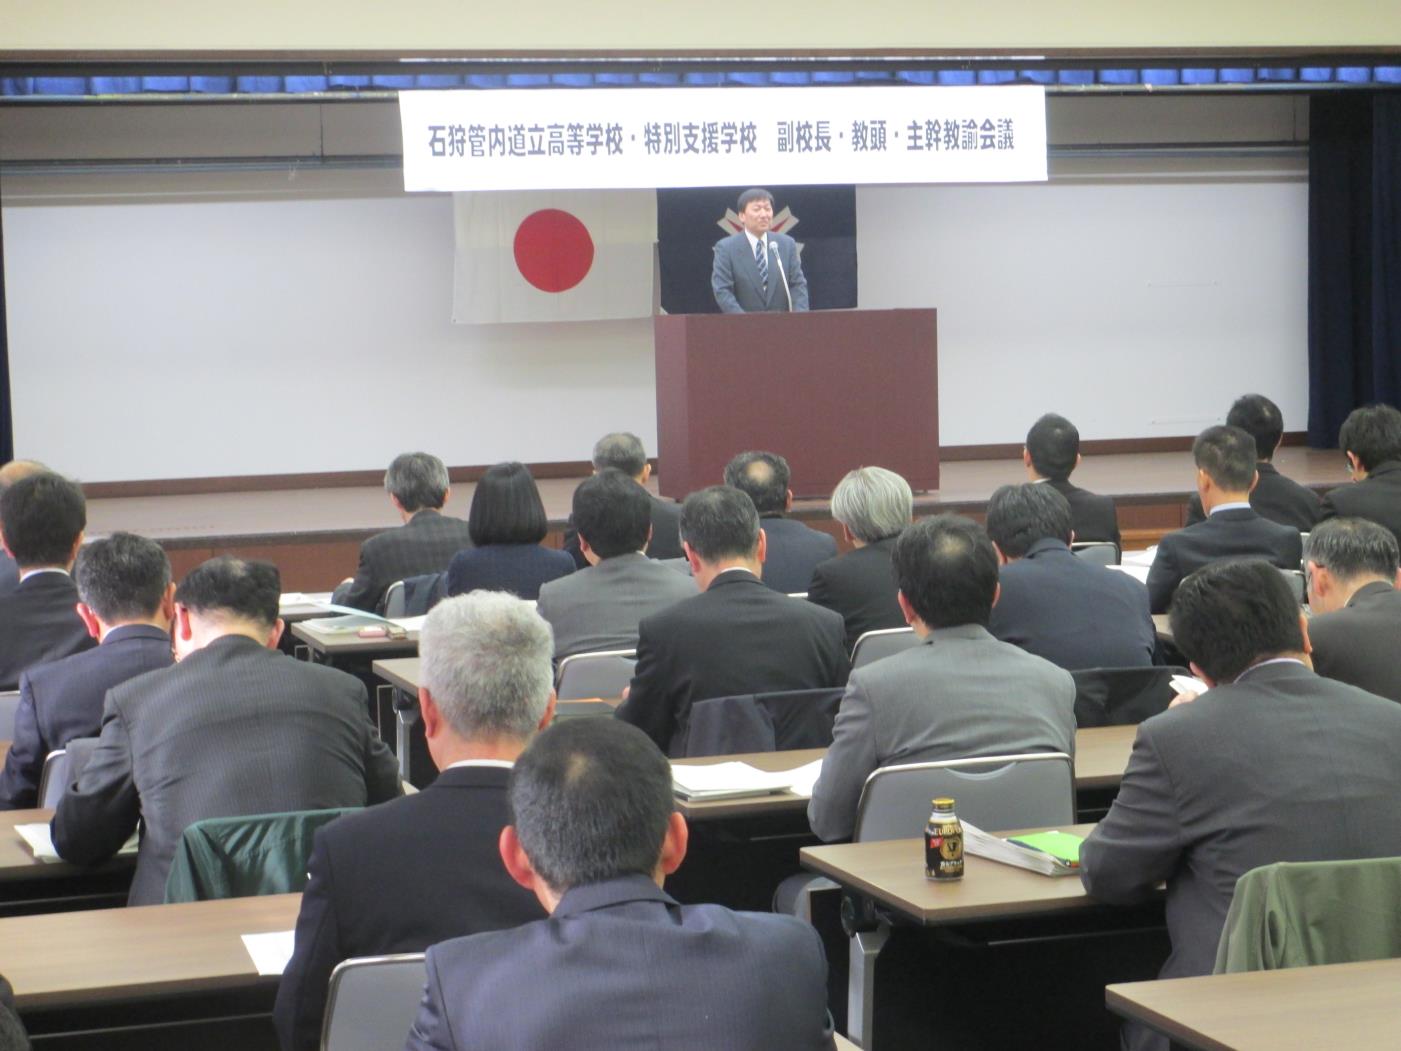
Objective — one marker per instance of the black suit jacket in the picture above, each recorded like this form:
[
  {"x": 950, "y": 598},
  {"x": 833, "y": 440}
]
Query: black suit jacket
[
  {"x": 1360, "y": 644},
  {"x": 1282, "y": 765},
  {"x": 517, "y": 568},
  {"x": 423, "y": 544},
  {"x": 1275, "y": 497},
  {"x": 63, "y": 700},
  {"x": 39, "y": 623},
  {"x": 1236, "y": 533},
  {"x": 860, "y": 585},
  {"x": 666, "y": 533},
  {"x": 735, "y": 637},
  {"x": 399, "y": 878},
  {"x": 1377, "y": 497},
  {"x": 794, "y": 551},
  {"x": 1072, "y": 612},
  {"x": 1091, "y": 516},
  {"x": 234, "y": 728}
]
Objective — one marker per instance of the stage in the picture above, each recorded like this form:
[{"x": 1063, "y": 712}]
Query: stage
[{"x": 314, "y": 534}]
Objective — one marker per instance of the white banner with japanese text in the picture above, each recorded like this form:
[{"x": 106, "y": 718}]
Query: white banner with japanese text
[{"x": 641, "y": 138}]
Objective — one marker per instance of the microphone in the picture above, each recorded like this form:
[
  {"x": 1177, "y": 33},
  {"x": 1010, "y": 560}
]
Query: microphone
[{"x": 781, "y": 273}]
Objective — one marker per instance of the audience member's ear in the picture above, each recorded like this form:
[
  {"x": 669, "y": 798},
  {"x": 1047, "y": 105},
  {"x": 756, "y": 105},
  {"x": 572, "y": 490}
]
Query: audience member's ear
[
  {"x": 674, "y": 844},
  {"x": 1254, "y": 481},
  {"x": 1308, "y": 643},
  {"x": 73, "y": 555},
  {"x": 788, "y": 500},
  {"x": 692, "y": 558},
  {"x": 275, "y": 634},
  {"x": 996, "y": 593},
  {"x": 4, "y": 546},
  {"x": 167, "y": 606},
  {"x": 905, "y": 607},
  {"x": 847, "y": 538},
  {"x": 518, "y": 866},
  {"x": 762, "y": 553},
  {"x": 1196, "y": 670},
  {"x": 429, "y": 712},
  {"x": 549, "y": 715},
  {"x": 89, "y": 619},
  {"x": 1002, "y": 559}
]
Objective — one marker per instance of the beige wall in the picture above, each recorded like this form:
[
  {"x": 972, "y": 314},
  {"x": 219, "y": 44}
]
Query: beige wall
[{"x": 467, "y": 26}]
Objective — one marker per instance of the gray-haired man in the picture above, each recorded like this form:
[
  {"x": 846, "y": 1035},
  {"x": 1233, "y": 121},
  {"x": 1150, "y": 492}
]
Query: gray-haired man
[
  {"x": 1352, "y": 575},
  {"x": 401, "y": 876},
  {"x": 417, "y": 484}
]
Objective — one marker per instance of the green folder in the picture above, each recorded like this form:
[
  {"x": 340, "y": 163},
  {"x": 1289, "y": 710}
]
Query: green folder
[{"x": 1063, "y": 846}]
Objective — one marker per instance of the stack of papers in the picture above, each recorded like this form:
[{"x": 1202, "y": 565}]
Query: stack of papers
[
  {"x": 1049, "y": 853},
  {"x": 731, "y": 780},
  {"x": 1188, "y": 684},
  {"x": 354, "y": 619},
  {"x": 42, "y": 846}
]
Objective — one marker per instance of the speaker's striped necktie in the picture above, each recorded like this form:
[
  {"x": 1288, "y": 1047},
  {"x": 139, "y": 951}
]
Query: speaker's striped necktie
[{"x": 761, "y": 257}]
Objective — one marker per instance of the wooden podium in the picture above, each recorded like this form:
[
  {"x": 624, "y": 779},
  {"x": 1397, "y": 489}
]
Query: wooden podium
[{"x": 828, "y": 391}]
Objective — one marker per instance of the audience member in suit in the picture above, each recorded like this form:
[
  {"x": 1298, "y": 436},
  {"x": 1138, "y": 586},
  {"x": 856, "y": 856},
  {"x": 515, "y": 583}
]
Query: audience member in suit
[
  {"x": 1273, "y": 763},
  {"x": 127, "y": 602},
  {"x": 42, "y": 518},
  {"x": 11, "y": 473},
  {"x": 742, "y": 285},
  {"x": 959, "y": 694},
  {"x": 1054, "y": 604},
  {"x": 872, "y": 505},
  {"x": 1225, "y": 459},
  {"x": 1371, "y": 439},
  {"x": 422, "y": 869},
  {"x": 417, "y": 484},
  {"x": 507, "y": 522},
  {"x": 12, "y": 1034},
  {"x": 599, "y": 608},
  {"x": 618, "y": 964},
  {"x": 1051, "y": 452},
  {"x": 1275, "y": 497},
  {"x": 736, "y": 636},
  {"x": 624, "y": 452},
  {"x": 235, "y": 727},
  {"x": 794, "y": 550},
  {"x": 1356, "y": 625}
]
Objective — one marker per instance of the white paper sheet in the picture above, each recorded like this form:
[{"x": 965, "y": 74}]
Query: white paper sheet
[
  {"x": 269, "y": 952},
  {"x": 42, "y": 846}
]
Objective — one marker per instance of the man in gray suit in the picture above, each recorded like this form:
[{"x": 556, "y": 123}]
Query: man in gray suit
[
  {"x": 961, "y": 694},
  {"x": 1356, "y": 608},
  {"x": 235, "y": 728},
  {"x": 758, "y": 270},
  {"x": 618, "y": 963},
  {"x": 1273, "y": 763},
  {"x": 794, "y": 550},
  {"x": 598, "y": 608}
]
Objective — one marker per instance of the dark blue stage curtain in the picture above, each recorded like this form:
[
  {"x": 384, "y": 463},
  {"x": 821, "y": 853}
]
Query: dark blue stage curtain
[
  {"x": 687, "y": 229},
  {"x": 1354, "y": 258}
]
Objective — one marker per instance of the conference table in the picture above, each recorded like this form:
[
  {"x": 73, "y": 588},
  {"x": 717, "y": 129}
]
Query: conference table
[
  {"x": 342, "y": 648},
  {"x": 1351, "y": 1005},
  {"x": 28, "y": 885},
  {"x": 993, "y": 903},
  {"x": 174, "y": 972}
]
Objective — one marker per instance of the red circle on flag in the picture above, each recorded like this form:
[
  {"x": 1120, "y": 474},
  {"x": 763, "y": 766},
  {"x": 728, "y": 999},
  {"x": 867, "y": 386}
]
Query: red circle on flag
[{"x": 553, "y": 250}]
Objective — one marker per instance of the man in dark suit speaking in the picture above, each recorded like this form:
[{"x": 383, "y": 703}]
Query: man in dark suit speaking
[{"x": 757, "y": 270}]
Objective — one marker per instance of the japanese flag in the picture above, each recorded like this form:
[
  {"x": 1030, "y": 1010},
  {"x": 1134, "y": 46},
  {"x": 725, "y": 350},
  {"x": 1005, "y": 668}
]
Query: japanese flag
[{"x": 567, "y": 255}]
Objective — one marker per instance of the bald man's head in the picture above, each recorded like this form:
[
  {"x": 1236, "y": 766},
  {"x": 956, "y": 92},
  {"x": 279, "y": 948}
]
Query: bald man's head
[{"x": 13, "y": 471}]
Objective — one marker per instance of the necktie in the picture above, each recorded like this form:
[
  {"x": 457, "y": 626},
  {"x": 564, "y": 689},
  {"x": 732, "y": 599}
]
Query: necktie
[{"x": 761, "y": 257}]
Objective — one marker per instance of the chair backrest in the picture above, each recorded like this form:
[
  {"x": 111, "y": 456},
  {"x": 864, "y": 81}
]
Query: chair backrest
[
  {"x": 62, "y": 767},
  {"x": 372, "y": 1001},
  {"x": 242, "y": 857},
  {"x": 394, "y": 600},
  {"x": 1297, "y": 584},
  {"x": 1122, "y": 696},
  {"x": 602, "y": 674},
  {"x": 421, "y": 594},
  {"x": 1301, "y": 914},
  {"x": 873, "y": 645},
  {"x": 995, "y": 793},
  {"x": 1100, "y": 552},
  {"x": 763, "y": 722},
  {"x": 9, "y": 705}
]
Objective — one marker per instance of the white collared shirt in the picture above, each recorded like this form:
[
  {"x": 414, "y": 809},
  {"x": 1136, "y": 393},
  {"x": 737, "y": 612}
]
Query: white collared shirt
[
  {"x": 26, "y": 574},
  {"x": 503, "y": 764},
  {"x": 1231, "y": 507},
  {"x": 755, "y": 240},
  {"x": 1272, "y": 660}
]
